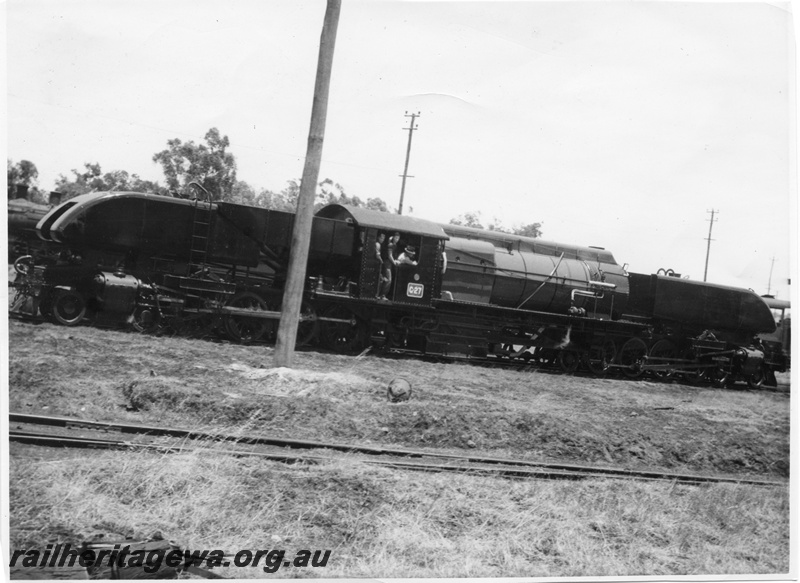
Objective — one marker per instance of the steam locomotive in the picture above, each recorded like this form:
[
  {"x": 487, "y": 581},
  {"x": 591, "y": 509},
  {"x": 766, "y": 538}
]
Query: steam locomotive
[
  {"x": 23, "y": 215},
  {"x": 156, "y": 262}
]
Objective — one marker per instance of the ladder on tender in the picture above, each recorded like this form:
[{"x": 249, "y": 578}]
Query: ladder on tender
[{"x": 201, "y": 238}]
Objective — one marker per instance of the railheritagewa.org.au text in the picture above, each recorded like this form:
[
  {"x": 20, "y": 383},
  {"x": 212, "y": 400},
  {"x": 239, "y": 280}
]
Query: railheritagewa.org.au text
[{"x": 120, "y": 556}]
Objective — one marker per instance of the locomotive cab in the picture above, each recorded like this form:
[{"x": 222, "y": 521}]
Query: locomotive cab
[{"x": 416, "y": 281}]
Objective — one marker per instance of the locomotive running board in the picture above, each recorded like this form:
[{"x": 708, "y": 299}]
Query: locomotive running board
[{"x": 266, "y": 314}]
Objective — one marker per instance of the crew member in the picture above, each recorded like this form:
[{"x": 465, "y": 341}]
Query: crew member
[
  {"x": 388, "y": 262},
  {"x": 407, "y": 257}
]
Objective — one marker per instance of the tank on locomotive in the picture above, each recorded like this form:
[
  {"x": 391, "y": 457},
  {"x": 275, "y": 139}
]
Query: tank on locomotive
[{"x": 688, "y": 308}]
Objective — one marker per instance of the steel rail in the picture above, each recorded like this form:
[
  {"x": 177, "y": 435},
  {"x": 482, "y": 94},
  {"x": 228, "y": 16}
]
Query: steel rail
[
  {"x": 32, "y": 438},
  {"x": 511, "y": 467}
]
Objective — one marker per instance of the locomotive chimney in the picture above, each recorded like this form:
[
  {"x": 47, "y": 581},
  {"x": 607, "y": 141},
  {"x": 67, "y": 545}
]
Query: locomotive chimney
[
  {"x": 55, "y": 198},
  {"x": 22, "y": 191}
]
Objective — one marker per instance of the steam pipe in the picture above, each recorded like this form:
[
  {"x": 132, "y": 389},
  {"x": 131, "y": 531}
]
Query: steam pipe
[{"x": 589, "y": 294}]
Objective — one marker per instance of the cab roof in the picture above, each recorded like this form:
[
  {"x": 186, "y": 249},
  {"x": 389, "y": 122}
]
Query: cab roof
[{"x": 381, "y": 220}]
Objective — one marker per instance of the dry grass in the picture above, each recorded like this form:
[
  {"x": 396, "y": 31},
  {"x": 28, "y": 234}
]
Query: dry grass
[{"x": 381, "y": 523}]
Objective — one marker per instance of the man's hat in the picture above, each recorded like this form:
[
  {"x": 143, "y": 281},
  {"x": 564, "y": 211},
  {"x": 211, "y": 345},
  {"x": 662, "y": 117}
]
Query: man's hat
[{"x": 410, "y": 249}]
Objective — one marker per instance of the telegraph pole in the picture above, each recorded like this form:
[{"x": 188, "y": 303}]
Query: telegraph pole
[
  {"x": 405, "y": 175},
  {"x": 769, "y": 283},
  {"x": 709, "y": 239},
  {"x": 301, "y": 234}
]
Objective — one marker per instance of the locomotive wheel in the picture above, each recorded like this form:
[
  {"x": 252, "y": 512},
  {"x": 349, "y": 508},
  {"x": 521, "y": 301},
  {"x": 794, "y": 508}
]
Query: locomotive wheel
[
  {"x": 663, "y": 349},
  {"x": 68, "y": 307},
  {"x": 756, "y": 380},
  {"x": 145, "y": 319},
  {"x": 271, "y": 334},
  {"x": 342, "y": 337},
  {"x": 631, "y": 356},
  {"x": 720, "y": 378},
  {"x": 46, "y": 306},
  {"x": 599, "y": 358},
  {"x": 693, "y": 376},
  {"x": 308, "y": 327},
  {"x": 397, "y": 338},
  {"x": 241, "y": 328},
  {"x": 568, "y": 361}
]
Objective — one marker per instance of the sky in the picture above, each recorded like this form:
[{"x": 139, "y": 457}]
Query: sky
[{"x": 614, "y": 124}]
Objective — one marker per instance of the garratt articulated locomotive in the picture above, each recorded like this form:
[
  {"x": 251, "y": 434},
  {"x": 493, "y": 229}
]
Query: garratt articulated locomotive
[{"x": 155, "y": 261}]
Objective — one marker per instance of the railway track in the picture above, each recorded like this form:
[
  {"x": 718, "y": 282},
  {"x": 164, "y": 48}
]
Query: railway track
[{"x": 63, "y": 432}]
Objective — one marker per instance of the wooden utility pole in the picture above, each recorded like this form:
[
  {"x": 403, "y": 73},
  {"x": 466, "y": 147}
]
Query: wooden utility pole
[
  {"x": 769, "y": 283},
  {"x": 411, "y": 127},
  {"x": 709, "y": 239},
  {"x": 301, "y": 234}
]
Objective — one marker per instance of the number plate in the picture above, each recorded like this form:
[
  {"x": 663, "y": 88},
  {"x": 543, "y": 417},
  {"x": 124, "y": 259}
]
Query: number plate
[{"x": 415, "y": 290}]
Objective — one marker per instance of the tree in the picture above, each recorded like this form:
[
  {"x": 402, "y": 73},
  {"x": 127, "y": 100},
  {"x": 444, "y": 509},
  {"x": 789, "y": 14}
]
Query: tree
[
  {"x": 474, "y": 220},
  {"x": 208, "y": 164},
  {"x": 328, "y": 192},
  {"x": 243, "y": 193},
  {"x": 87, "y": 181},
  {"x": 23, "y": 173},
  {"x": 92, "y": 179},
  {"x": 532, "y": 230},
  {"x": 331, "y": 192},
  {"x": 285, "y": 200},
  {"x": 471, "y": 219},
  {"x": 378, "y": 204}
]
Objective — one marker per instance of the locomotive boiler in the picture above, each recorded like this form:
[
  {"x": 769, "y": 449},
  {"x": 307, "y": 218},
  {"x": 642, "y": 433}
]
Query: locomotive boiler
[{"x": 524, "y": 273}]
